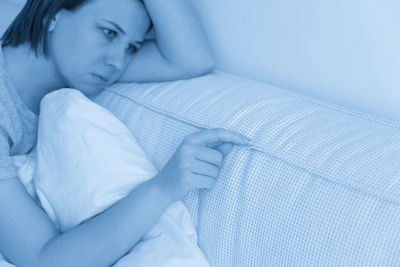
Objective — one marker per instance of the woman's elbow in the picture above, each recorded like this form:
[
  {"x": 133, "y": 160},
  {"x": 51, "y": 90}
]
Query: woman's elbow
[
  {"x": 201, "y": 65},
  {"x": 208, "y": 64}
]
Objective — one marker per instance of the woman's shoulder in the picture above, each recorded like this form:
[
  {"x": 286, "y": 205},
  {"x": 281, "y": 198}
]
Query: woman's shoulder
[
  {"x": 7, "y": 167},
  {"x": 6, "y": 119},
  {"x": 7, "y": 106},
  {"x": 17, "y": 127},
  {"x": 17, "y": 123},
  {"x": 5, "y": 83},
  {"x": 8, "y": 137}
]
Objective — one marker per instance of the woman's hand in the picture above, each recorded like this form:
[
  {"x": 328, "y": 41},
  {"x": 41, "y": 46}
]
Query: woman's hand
[
  {"x": 196, "y": 163},
  {"x": 180, "y": 49}
]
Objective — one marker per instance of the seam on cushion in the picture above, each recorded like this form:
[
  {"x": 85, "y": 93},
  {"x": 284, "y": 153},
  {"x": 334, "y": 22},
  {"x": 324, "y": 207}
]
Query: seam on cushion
[
  {"x": 252, "y": 146},
  {"x": 331, "y": 181},
  {"x": 162, "y": 112},
  {"x": 331, "y": 106}
]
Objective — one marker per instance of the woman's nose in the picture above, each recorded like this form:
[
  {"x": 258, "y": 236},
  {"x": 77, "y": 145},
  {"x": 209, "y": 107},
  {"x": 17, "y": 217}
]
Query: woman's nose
[{"x": 115, "y": 59}]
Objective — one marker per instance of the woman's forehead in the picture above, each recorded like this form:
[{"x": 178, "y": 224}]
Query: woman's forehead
[
  {"x": 124, "y": 13},
  {"x": 122, "y": 9}
]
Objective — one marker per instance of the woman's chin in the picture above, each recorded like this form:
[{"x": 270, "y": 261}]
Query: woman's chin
[
  {"x": 93, "y": 91},
  {"x": 88, "y": 89}
]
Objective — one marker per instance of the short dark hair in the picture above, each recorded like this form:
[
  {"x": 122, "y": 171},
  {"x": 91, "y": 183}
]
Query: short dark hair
[{"x": 32, "y": 23}]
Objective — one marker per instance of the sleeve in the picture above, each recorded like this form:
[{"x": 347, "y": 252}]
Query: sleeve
[{"x": 7, "y": 167}]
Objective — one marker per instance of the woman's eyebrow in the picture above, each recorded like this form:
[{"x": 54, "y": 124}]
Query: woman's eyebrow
[
  {"x": 121, "y": 30},
  {"x": 115, "y": 25}
]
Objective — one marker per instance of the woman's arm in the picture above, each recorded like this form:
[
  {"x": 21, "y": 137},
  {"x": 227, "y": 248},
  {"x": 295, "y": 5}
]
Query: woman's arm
[
  {"x": 180, "y": 49},
  {"x": 28, "y": 237}
]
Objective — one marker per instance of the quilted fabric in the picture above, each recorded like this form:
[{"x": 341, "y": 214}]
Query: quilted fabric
[{"x": 320, "y": 186}]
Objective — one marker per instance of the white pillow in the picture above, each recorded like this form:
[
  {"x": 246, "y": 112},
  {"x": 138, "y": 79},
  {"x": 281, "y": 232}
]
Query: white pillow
[{"x": 86, "y": 158}]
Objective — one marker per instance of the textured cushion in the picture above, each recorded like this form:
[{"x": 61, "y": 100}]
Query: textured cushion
[{"x": 320, "y": 185}]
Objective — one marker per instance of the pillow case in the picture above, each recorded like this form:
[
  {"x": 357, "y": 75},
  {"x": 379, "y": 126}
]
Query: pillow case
[
  {"x": 86, "y": 158},
  {"x": 85, "y": 161}
]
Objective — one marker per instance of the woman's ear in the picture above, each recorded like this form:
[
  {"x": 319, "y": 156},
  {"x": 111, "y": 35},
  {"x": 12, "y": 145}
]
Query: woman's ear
[{"x": 53, "y": 22}]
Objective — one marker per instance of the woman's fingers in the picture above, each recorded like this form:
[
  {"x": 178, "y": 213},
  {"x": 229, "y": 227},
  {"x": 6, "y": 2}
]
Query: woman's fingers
[
  {"x": 204, "y": 168},
  {"x": 209, "y": 155},
  {"x": 197, "y": 162},
  {"x": 214, "y": 155},
  {"x": 216, "y": 136},
  {"x": 203, "y": 182},
  {"x": 224, "y": 148}
]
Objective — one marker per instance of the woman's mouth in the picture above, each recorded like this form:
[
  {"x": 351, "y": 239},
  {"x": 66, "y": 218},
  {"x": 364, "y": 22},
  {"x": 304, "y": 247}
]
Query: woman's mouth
[{"x": 100, "y": 78}]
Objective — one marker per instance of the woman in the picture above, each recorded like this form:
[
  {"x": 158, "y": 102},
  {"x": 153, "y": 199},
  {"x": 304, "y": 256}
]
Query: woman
[{"x": 89, "y": 44}]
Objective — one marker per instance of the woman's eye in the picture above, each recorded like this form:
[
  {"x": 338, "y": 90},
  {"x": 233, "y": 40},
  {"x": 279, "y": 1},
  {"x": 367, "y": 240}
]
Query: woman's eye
[
  {"x": 110, "y": 34},
  {"x": 132, "y": 49}
]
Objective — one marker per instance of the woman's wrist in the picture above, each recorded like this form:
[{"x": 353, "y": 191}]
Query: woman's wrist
[{"x": 164, "y": 190}]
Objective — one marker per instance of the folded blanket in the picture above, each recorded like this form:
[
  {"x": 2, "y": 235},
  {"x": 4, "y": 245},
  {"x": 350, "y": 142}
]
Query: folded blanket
[{"x": 85, "y": 161}]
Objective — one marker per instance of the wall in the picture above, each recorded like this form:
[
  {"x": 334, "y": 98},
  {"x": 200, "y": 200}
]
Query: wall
[
  {"x": 342, "y": 51},
  {"x": 10, "y": 8}
]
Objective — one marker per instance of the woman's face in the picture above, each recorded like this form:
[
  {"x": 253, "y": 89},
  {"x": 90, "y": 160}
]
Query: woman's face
[{"x": 92, "y": 46}]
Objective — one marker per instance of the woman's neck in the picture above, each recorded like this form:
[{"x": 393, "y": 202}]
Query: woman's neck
[{"x": 33, "y": 76}]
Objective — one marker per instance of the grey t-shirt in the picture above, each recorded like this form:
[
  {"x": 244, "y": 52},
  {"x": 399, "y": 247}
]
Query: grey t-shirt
[{"x": 18, "y": 124}]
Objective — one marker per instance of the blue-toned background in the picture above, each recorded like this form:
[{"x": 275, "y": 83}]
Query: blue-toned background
[{"x": 343, "y": 51}]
